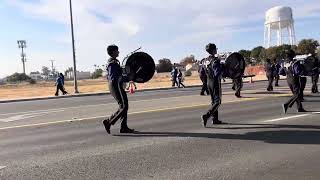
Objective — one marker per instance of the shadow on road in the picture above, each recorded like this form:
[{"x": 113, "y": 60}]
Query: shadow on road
[
  {"x": 268, "y": 92},
  {"x": 285, "y": 136}
]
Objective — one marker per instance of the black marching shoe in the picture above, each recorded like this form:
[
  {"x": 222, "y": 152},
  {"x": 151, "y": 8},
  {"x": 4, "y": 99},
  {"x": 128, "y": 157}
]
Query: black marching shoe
[
  {"x": 204, "y": 119},
  {"x": 107, "y": 125},
  {"x": 214, "y": 122},
  {"x": 302, "y": 110},
  {"x": 126, "y": 130},
  {"x": 284, "y": 108},
  {"x": 238, "y": 95}
]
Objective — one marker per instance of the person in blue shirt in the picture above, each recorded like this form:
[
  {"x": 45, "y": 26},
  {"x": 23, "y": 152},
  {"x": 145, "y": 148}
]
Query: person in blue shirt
[
  {"x": 174, "y": 74},
  {"x": 293, "y": 70},
  {"x": 180, "y": 79},
  {"x": 315, "y": 76},
  {"x": 203, "y": 78},
  {"x": 277, "y": 67},
  {"x": 60, "y": 85},
  {"x": 237, "y": 86},
  {"x": 269, "y": 68},
  {"x": 214, "y": 72},
  {"x": 116, "y": 80}
]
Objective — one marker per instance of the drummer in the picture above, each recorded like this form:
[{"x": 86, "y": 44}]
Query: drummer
[{"x": 116, "y": 80}]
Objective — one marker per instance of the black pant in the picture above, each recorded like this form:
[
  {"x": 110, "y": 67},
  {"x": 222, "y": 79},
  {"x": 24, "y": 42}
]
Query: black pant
[
  {"x": 270, "y": 82},
  {"x": 61, "y": 88},
  {"x": 276, "y": 79},
  {"x": 174, "y": 81},
  {"x": 303, "y": 82},
  {"x": 237, "y": 84},
  {"x": 315, "y": 79},
  {"x": 119, "y": 94},
  {"x": 294, "y": 85},
  {"x": 214, "y": 87},
  {"x": 180, "y": 82},
  {"x": 204, "y": 85}
]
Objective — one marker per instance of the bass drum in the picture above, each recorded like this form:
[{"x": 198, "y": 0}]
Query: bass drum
[
  {"x": 140, "y": 67},
  {"x": 234, "y": 66},
  {"x": 310, "y": 64}
]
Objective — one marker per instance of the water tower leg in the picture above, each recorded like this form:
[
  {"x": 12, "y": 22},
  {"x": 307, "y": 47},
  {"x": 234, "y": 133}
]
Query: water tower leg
[
  {"x": 290, "y": 35},
  {"x": 269, "y": 35},
  {"x": 294, "y": 34},
  {"x": 280, "y": 34},
  {"x": 278, "y": 37},
  {"x": 265, "y": 36}
]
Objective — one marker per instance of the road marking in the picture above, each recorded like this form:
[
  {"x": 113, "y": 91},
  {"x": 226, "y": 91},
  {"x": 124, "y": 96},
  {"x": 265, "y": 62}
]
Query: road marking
[
  {"x": 26, "y": 116},
  {"x": 94, "y": 105},
  {"x": 286, "y": 118},
  {"x": 131, "y": 113},
  {"x": 292, "y": 117},
  {"x": 2, "y": 167},
  {"x": 105, "y": 104}
]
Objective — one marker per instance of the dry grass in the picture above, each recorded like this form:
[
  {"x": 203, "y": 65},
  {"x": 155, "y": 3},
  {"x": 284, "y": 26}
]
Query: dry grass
[{"x": 43, "y": 89}]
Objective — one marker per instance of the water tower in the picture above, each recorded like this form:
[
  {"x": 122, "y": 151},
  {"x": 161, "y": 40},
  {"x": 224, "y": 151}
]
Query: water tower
[{"x": 279, "y": 20}]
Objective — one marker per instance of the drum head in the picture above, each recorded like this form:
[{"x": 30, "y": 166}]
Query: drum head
[
  {"x": 309, "y": 64},
  {"x": 234, "y": 66},
  {"x": 140, "y": 66}
]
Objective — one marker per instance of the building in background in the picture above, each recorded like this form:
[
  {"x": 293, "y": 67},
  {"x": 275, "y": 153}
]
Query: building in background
[
  {"x": 80, "y": 75},
  {"x": 36, "y": 76}
]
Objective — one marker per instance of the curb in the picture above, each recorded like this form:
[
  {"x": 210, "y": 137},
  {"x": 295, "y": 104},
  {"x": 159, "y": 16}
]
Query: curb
[{"x": 98, "y": 94}]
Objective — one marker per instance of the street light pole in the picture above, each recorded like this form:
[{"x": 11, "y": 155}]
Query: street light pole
[
  {"x": 23, "y": 44},
  {"x": 74, "y": 53},
  {"x": 52, "y": 67}
]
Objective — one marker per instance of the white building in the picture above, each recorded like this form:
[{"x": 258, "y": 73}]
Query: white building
[
  {"x": 36, "y": 75},
  {"x": 80, "y": 75}
]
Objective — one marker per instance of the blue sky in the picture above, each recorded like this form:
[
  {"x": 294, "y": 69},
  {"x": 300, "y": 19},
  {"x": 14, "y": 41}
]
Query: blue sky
[{"x": 172, "y": 29}]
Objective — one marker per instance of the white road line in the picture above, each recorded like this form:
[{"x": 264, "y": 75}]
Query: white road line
[
  {"x": 26, "y": 116},
  {"x": 286, "y": 118},
  {"x": 97, "y": 105},
  {"x": 130, "y": 113},
  {"x": 2, "y": 167},
  {"x": 292, "y": 117}
]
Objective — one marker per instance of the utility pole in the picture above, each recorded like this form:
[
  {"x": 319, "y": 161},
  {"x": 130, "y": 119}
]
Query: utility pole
[
  {"x": 52, "y": 67},
  {"x": 74, "y": 53},
  {"x": 21, "y": 45}
]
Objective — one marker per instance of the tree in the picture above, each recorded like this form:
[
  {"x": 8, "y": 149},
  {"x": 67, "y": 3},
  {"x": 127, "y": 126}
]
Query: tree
[
  {"x": 164, "y": 65},
  {"x": 188, "y": 60},
  {"x": 246, "y": 54},
  {"x": 283, "y": 48},
  {"x": 277, "y": 52},
  {"x": 318, "y": 52},
  {"x": 97, "y": 73},
  {"x": 46, "y": 71},
  {"x": 272, "y": 52},
  {"x": 70, "y": 69},
  {"x": 258, "y": 54},
  {"x": 20, "y": 77},
  {"x": 307, "y": 46},
  {"x": 67, "y": 71}
]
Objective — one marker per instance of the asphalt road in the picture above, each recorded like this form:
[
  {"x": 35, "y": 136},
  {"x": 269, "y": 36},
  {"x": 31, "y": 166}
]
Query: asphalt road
[{"x": 64, "y": 138}]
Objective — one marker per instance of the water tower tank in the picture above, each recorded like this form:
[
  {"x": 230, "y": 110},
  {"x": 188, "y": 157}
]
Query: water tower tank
[{"x": 279, "y": 20}]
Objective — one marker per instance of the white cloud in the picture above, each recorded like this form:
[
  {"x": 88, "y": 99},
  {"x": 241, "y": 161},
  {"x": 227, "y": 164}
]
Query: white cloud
[{"x": 156, "y": 25}]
